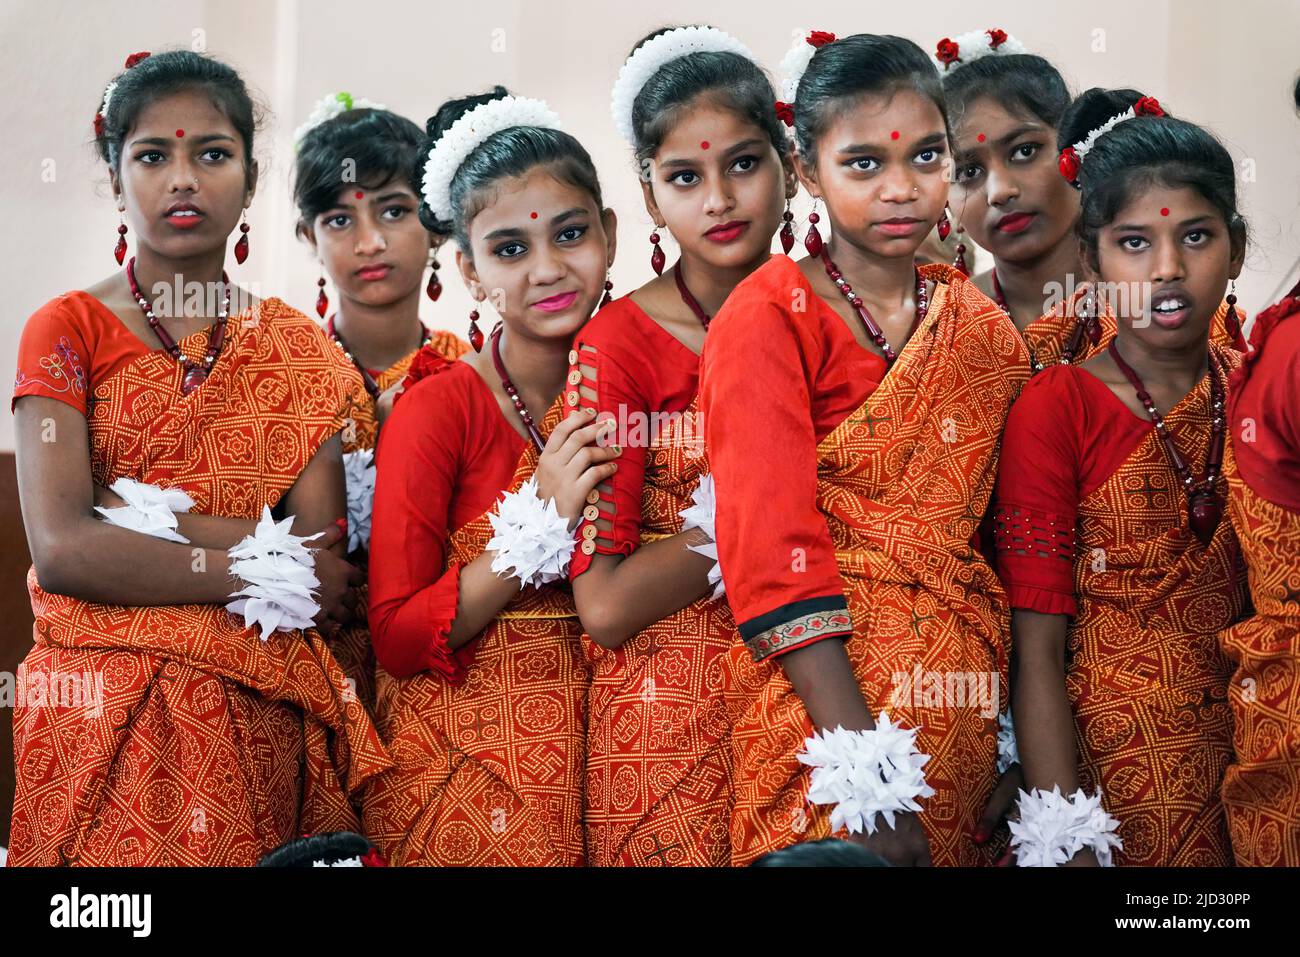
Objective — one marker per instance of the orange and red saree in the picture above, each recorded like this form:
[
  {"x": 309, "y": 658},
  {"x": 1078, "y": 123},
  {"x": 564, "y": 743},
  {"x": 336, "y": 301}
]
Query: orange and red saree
[
  {"x": 1261, "y": 790},
  {"x": 488, "y": 739},
  {"x": 898, "y": 487},
  {"x": 1090, "y": 483},
  {"x": 200, "y": 743}
]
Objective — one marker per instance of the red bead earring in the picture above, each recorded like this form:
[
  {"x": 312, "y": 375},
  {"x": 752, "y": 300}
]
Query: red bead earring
[
  {"x": 119, "y": 251},
  {"x": 812, "y": 240},
  {"x": 241, "y": 247},
  {"x": 1231, "y": 321},
  {"x": 434, "y": 289},
  {"x": 657, "y": 257},
  {"x": 787, "y": 230},
  {"x": 944, "y": 225},
  {"x": 959, "y": 261},
  {"x": 475, "y": 333},
  {"x": 607, "y": 298},
  {"x": 322, "y": 300}
]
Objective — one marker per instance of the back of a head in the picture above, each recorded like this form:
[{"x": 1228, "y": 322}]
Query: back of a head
[
  {"x": 512, "y": 152},
  {"x": 829, "y": 852}
]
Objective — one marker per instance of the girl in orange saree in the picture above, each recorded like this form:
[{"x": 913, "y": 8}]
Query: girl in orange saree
[
  {"x": 1120, "y": 566},
  {"x": 195, "y": 739},
  {"x": 852, "y": 407},
  {"x": 374, "y": 250},
  {"x": 1006, "y": 105},
  {"x": 657, "y": 631},
  {"x": 482, "y": 688}
]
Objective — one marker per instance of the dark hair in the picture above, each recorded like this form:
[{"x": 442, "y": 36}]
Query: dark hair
[
  {"x": 828, "y": 852},
  {"x": 1297, "y": 94},
  {"x": 325, "y": 848},
  {"x": 380, "y": 144},
  {"x": 850, "y": 67},
  {"x": 511, "y": 152},
  {"x": 163, "y": 74},
  {"x": 1141, "y": 152},
  {"x": 728, "y": 80},
  {"x": 1018, "y": 82}
]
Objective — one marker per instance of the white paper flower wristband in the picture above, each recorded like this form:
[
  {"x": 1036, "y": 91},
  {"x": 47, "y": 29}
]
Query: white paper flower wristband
[
  {"x": 359, "y": 470},
  {"x": 701, "y": 514},
  {"x": 532, "y": 541},
  {"x": 149, "y": 509},
  {"x": 866, "y": 773},
  {"x": 1053, "y": 828},
  {"x": 279, "y": 575},
  {"x": 1008, "y": 753}
]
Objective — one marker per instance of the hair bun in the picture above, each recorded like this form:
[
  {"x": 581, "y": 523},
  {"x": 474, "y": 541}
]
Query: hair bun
[{"x": 452, "y": 110}]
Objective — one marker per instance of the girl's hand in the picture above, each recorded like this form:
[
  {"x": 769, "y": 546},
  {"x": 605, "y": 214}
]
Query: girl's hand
[
  {"x": 339, "y": 580},
  {"x": 571, "y": 464},
  {"x": 384, "y": 404},
  {"x": 106, "y": 498},
  {"x": 1000, "y": 804},
  {"x": 903, "y": 845}
]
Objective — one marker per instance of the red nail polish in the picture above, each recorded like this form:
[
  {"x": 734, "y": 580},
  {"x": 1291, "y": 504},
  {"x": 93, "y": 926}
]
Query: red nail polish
[{"x": 982, "y": 833}]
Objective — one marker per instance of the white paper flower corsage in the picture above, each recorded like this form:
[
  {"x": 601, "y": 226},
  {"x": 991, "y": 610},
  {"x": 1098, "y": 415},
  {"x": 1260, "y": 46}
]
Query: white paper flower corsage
[
  {"x": 149, "y": 509},
  {"x": 531, "y": 540},
  {"x": 1008, "y": 753},
  {"x": 701, "y": 514},
  {"x": 1053, "y": 828},
  {"x": 279, "y": 575},
  {"x": 866, "y": 773},
  {"x": 359, "y": 470}
]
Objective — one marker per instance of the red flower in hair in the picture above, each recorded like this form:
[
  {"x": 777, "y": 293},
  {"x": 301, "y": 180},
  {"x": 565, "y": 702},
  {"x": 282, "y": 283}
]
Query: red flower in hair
[
  {"x": 947, "y": 52},
  {"x": 1148, "y": 106},
  {"x": 99, "y": 126},
  {"x": 135, "y": 58},
  {"x": 819, "y": 38},
  {"x": 372, "y": 858},
  {"x": 996, "y": 37},
  {"x": 785, "y": 112},
  {"x": 1068, "y": 163}
]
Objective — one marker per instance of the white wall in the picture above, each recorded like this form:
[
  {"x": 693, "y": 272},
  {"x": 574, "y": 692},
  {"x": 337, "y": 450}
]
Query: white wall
[{"x": 1227, "y": 66}]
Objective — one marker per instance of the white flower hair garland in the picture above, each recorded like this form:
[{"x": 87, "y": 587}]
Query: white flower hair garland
[
  {"x": 795, "y": 63},
  {"x": 975, "y": 45},
  {"x": 866, "y": 773},
  {"x": 328, "y": 107},
  {"x": 648, "y": 58},
  {"x": 468, "y": 133}
]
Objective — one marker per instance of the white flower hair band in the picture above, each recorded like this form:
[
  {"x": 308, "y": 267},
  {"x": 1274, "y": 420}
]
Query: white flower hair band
[
  {"x": 468, "y": 133},
  {"x": 647, "y": 59},
  {"x": 328, "y": 107}
]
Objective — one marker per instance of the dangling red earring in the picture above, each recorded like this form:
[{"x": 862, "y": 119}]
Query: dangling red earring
[
  {"x": 787, "y": 230},
  {"x": 434, "y": 289},
  {"x": 1231, "y": 322},
  {"x": 657, "y": 256},
  {"x": 322, "y": 300},
  {"x": 119, "y": 251},
  {"x": 959, "y": 261},
  {"x": 475, "y": 333},
  {"x": 241, "y": 247},
  {"x": 944, "y": 225},
  {"x": 812, "y": 240},
  {"x": 605, "y": 301}
]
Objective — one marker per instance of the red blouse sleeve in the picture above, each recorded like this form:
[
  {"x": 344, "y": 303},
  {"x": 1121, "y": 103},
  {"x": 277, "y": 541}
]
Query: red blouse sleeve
[
  {"x": 604, "y": 384},
  {"x": 1264, "y": 420},
  {"x": 55, "y": 355},
  {"x": 757, "y": 379},
  {"x": 413, "y": 591},
  {"x": 1037, "y": 496}
]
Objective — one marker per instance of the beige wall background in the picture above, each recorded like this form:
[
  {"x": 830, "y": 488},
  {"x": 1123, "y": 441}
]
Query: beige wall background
[{"x": 1228, "y": 66}]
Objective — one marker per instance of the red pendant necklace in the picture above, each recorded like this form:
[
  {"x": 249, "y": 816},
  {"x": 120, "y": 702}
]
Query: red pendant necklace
[
  {"x": 195, "y": 373},
  {"x": 691, "y": 303},
  {"x": 372, "y": 387},
  {"x": 873, "y": 330},
  {"x": 512, "y": 391},
  {"x": 1204, "y": 503}
]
